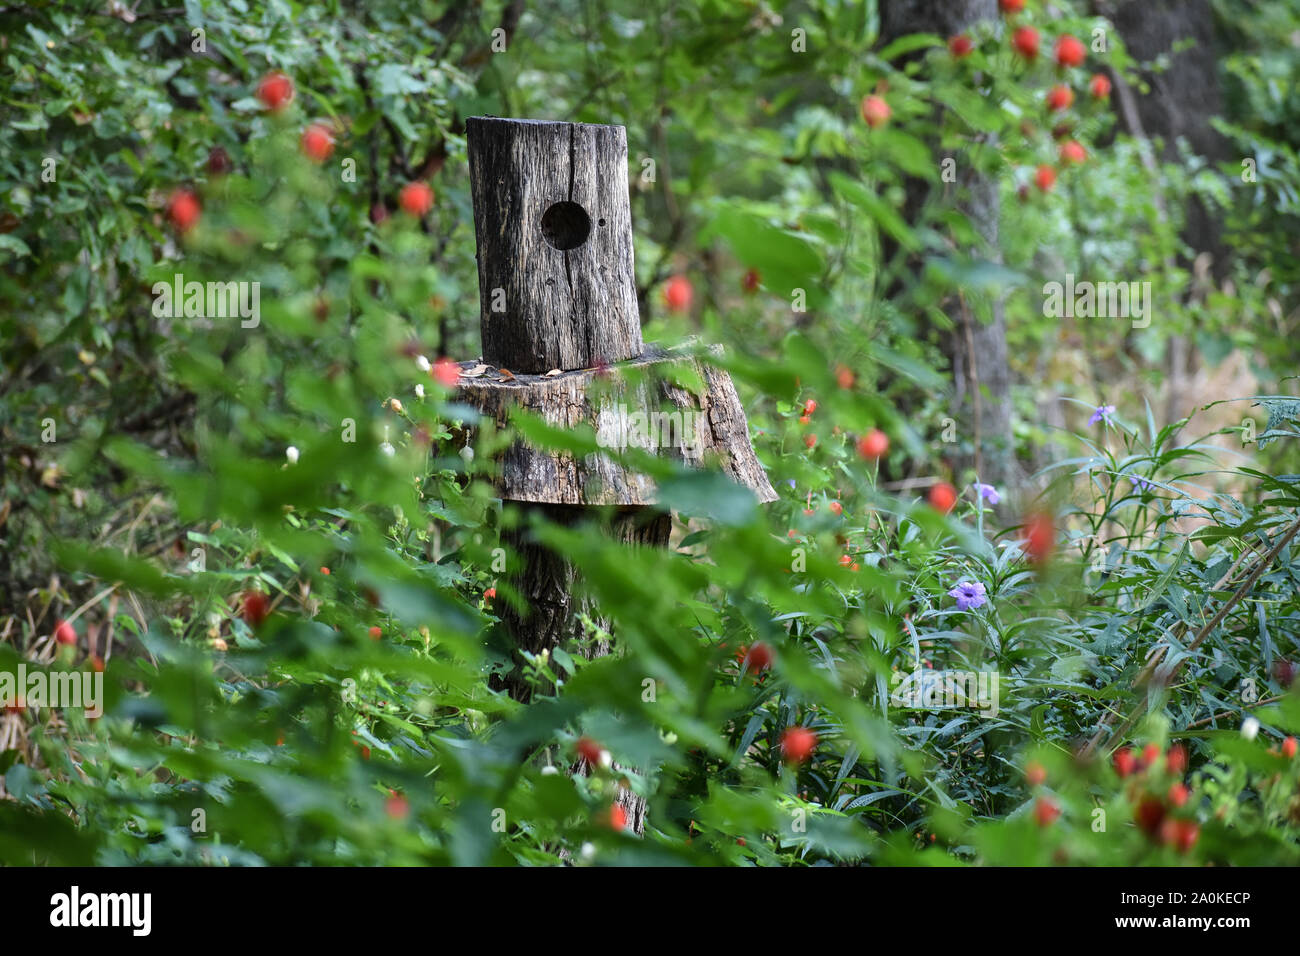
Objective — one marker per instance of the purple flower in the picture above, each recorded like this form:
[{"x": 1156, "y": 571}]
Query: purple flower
[
  {"x": 987, "y": 492},
  {"x": 969, "y": 595},
  {"x": 1140, "y": 484},
  {"x": 1102, "y": 413}
]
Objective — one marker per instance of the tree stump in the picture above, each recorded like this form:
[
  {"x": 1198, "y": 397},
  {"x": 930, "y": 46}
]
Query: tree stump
[{"x": 561, "y": 337}]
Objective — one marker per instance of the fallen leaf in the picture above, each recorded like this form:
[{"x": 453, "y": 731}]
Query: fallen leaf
[
  {"x": 474, "y": 372},
  {"x": 554, "y": 371},
  {"x": 506, "y": 373}
]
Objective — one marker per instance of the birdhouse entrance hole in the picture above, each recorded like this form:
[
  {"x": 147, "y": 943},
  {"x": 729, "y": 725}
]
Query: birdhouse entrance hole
[{"x": 566, "y": 225}]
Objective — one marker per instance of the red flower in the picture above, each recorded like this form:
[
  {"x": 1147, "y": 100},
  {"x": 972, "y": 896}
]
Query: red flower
[
  {"x": 678, "y": 293},
  {"x": 1176, "y": 760},
  {"x": 183, "y": 209},
  {"x": 810, "y": 440},
  {"x": 317, "y": 142},
  {"x": 1025, "y": 40},
  {"x": 1046, "y": 811},
  {"x": 446, "y": 372},
  {"x": 64, "y": 633},
  {"x": 1069, "y": 51},
  {"x": 416, "y": 198},
  {"x": 943, "y": 497},
  {"x": 1072, "y": 152},
  {"x": 960, "y": 45},
  {"x": 617, "y": 818},
  {"x": 797, "y": 744},
  {"x": 256, "y": 606},
  {"x": 873, "y": 444},
  {"x": 1035, "y": 773},
  {"x": 757, "y": 658},
  {"x": 1125, "y": 762},
  {"x": 588, "y": 750},
  {"x": 836, "y": 508},
  {"x": 376, "y": 632},
  {"x": 1150, "y": 814},
  {"x": 397, "y": 806},
  {"x": 875, "y": 111},
  {"x": 1040, "y": 537},
  {"x": 1059, "y": 98},
  {"x": 275, "y": 91}
]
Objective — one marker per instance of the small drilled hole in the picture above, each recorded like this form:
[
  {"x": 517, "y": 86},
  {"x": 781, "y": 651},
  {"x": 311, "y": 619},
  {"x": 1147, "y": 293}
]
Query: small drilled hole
[{"x": 566, "y": 225}]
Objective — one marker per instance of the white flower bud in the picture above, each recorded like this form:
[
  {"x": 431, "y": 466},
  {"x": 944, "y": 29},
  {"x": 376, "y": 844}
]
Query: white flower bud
[
  {"x": 423, "y": 362},
  {"x": 292, "y": 454},
  {"x": 588, "y": 851},
  {"x": 550, "y": 771},
  {"x": 419, "y": 391},
  {"x": 395, "y": 405},
  {"x": 388, "y": 449},
  {"x": 606, "y": 760},
  {"x": 1250, "y": 728}
]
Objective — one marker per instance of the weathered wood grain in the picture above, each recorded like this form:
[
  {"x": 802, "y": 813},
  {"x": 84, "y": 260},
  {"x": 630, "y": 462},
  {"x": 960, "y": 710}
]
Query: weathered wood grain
[
  {"x": 704, "y": 428},
  {"x": 557, "y": 285}
]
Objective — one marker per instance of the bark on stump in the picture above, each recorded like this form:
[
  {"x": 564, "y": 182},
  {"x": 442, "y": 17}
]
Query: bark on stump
[{"x": 561, "y": 338}]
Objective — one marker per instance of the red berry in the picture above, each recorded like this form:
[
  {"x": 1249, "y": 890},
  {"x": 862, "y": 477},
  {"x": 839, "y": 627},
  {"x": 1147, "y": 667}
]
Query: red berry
[
  {"x": 1035, "y": 773},
  {"x": 1176, "y": 760},
  {"x": 805, "y": 419},
  {"x": 183, "y": 209},
  {"x": 97, "y": 663},
  {"x": 489, "y": 594},
  {"x": 1125, "y": 762},
  {"x": 376, "y": 632},
  {"x": 844, "y": 377},
  {"x": 1025, "y": 40},
  {"x": 845, "y": 560},
  {"x": 942, "y": 497},
  {"x": 256, "y": 606},
  {"x": 873, "y": 444},
  {"x": 1059, "y": 98},
  {"x": 1099, "y": 86},
  {"x": 1045, "y": 178},
  {"x": 1072, "y": 152},
  {"x": 809, "y": 407},
  {"x": 810, "y": 440},
  {"x": 960, "y": 45},
  {"x": 1178, "y": 794},
  {"x": 1046, "y": 811},
  {"x": 678, "y": 293},
  {"x": 416, "y": 198},
  {"x": 446, "y": 372},
  {"x": 1150, "y": 814},
  {"x": 64, "y": 633},
  {"x": 588, "y": 750},
  {"x": 1289, "y": 748},
  {"x": 275, "y": 91},
  {"x": 1284, "y": 672},
  {"x": 617, "y": 818},
  {"x": 397, "y": 806},
  {"x": 317, "y": 142},
  {"x": 1186, "y": 835},
  {"x": 797, "y": 744},
  {"x": 875, "y": 111},
  {"x": 378, "y": 213},
  {"x": 757, "y": 659},
  {"x": 1150, "y": 755},
  {"x": 751, "y": 280},
  {"x": 1069, "y": 51},
  {"x": 1040, "y": 537},
  {"x": 325, "y": 571},
  {"x": 219, "y": 161},
  {"x": 1011, "y": 6}
]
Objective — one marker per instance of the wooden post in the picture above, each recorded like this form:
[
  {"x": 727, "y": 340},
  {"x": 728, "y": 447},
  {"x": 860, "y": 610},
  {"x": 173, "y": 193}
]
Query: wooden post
[{"x": 559, "y": 310}]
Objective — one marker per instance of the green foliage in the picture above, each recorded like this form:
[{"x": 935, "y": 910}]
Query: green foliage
[{"x": 311, "y": 458}]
